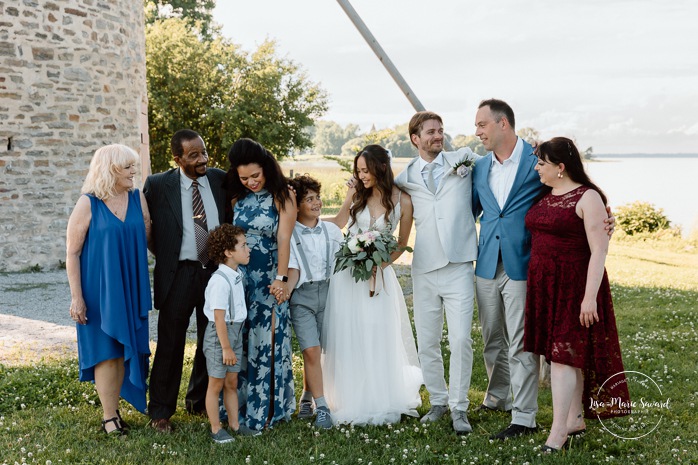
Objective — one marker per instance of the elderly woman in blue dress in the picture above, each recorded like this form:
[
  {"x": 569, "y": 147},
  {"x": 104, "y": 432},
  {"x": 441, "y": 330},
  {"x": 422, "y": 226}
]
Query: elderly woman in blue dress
[{"x": 107, "y": 265}]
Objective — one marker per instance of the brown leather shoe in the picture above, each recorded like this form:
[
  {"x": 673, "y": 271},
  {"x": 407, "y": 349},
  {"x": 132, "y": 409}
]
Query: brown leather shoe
[{"x": 161, "y": 425}]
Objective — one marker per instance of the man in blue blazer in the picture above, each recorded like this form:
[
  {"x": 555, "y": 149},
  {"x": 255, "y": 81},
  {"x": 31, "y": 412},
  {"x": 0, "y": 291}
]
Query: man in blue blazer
[
  {"x": 180, "y": 278},
  {"x": 504, "y": 186}
]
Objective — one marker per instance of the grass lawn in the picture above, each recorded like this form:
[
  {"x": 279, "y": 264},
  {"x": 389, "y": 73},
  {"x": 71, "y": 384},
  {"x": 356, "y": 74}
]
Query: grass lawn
[{"x": 48, "y": 417}]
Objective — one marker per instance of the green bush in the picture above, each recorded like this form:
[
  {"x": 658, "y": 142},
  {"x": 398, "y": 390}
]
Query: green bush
[{"x": 641, "y": 217}]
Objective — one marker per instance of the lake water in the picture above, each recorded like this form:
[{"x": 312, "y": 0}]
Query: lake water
[{"x": 668, "y": 182}]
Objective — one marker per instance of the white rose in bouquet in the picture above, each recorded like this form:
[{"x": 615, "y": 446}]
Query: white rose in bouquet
[{"x": 353, "y": 245}]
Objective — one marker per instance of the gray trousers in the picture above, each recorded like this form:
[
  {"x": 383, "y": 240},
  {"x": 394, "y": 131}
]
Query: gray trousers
[{"x": 511, "y": 371}]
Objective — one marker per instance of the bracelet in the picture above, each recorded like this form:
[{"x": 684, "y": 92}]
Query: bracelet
[{"x": 282, "y": 278}]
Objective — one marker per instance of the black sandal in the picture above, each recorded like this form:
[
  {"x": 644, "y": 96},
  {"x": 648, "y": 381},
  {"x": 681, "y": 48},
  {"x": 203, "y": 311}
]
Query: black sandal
[
  {"x": 125, "y": 426},
  {"x": 546, "y": 449},
  {"x": 118, "y": 431}
]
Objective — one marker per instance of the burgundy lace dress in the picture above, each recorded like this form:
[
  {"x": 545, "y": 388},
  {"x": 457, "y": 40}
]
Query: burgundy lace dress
[{"x": 557, "y": 275}]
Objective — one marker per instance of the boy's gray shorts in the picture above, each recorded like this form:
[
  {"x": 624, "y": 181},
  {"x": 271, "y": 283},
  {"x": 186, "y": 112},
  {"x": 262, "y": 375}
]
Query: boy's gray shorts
[
  {"x": 307, "y": 310},
  {"x": 214, "y": 352}
]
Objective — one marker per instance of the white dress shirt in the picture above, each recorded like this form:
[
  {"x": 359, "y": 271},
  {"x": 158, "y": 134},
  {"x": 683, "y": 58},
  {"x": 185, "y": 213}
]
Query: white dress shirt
[
  {"x": 315, "y": 249},
  {"x": 217, "y": 295},
  {"x": 502, "y": 175},
  {"x": 438, "y": 170},
  {"x": 188, "y": 250}
]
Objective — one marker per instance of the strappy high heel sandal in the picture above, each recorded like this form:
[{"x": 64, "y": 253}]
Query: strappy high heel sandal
[
  {"x": 125, "y": 426},
  {"x": 118, "y": 431}
]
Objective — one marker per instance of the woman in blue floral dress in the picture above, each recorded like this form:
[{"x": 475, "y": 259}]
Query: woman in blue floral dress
[{"x": 264, "y": 208}]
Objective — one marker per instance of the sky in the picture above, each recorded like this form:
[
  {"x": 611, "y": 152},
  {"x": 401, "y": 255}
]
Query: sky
[{"x": 618, "y": 75}]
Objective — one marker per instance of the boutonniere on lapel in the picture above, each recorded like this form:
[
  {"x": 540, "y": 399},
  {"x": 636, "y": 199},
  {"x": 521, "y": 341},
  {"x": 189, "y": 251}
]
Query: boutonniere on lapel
[{"x": 463, "y": 167}]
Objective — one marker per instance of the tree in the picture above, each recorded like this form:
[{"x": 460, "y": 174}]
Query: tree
[
  {"x": 224, "y": 93},
  {"x": 197, "y": 13},
  {"x": 379, "y": 137},
  {"x": 330, "y": 136},
  {"x": 473, "y": 142},
  {"x": 530, "y": 135}
]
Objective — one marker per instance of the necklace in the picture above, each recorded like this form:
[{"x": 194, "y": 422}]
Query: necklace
[{"x": 116, "y": 204}]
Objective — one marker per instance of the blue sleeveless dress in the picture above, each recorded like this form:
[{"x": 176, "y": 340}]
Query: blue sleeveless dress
[
  {"x": 116, "y": 289},
  {"x": 257, "y": 215}
]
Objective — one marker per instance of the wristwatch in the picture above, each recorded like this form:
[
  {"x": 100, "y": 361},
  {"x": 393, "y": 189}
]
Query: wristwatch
[{"x": 282, "y": 278}]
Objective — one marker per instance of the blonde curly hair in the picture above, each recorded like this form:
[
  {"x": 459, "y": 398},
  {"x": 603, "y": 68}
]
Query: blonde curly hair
[{"x": 104, "y": 167}]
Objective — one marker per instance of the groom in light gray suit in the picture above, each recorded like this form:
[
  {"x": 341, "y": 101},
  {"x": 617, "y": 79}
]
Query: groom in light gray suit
[{"x": 442, "y": 265}]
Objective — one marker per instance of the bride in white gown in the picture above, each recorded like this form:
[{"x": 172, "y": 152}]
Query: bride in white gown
[{"x": 370, "y": 367}]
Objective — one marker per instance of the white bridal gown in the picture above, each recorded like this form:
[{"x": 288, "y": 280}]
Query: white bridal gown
[{"x": 370, "y": 367}]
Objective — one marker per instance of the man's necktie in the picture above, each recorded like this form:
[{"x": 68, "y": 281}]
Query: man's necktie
[
  {"x": 200, "y": 227},
  {"x": 431, "y": 185},
  {"x": 316, "y": 230}
]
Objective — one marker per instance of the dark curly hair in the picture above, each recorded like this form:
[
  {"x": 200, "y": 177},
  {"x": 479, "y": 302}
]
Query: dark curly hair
[
  {"x": 302, "y": 184},
  {"x": 245, "y": 152},
  {"x": 224, "y": 237},
  {"x": 378, "y": 164}
]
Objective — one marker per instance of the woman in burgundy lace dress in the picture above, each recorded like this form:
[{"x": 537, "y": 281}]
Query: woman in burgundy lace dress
[{"x": 569, "y": 311}]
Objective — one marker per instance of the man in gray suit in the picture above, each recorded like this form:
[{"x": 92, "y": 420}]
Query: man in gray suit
[
  {"x": 442, "y": 265},
  {"x": 181, "y": 269}
]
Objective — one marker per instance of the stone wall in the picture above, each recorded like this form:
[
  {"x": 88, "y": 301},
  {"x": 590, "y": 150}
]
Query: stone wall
[{"x": 72, "y": 79}]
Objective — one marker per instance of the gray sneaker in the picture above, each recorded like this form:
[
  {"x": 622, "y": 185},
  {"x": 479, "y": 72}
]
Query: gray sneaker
[
  {"x": 244, "y": 430},
  {"x": 434, "y": 413},
  {"x": 222, "y": 437},
  {"x": 323, "y": 419},
  {"x": 305, "y": 410},
  {"x": 461, "y": 425}
]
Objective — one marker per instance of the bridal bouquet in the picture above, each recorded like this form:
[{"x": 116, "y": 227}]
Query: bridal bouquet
[{"x": 364, "y": 250}]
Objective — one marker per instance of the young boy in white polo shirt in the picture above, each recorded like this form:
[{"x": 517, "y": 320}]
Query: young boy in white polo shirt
[
  {"x": 226, "y": 312},
  {"x": 311, "y": 264}
]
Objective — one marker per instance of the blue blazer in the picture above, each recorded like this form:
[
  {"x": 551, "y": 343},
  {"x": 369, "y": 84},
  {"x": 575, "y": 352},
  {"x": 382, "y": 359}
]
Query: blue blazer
[{"x": 503, "y": 229}]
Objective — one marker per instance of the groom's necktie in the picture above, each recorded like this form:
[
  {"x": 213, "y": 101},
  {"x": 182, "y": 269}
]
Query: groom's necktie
[
  {"x": 431, "y": 184},
  {"x": 200, "y": 227}
]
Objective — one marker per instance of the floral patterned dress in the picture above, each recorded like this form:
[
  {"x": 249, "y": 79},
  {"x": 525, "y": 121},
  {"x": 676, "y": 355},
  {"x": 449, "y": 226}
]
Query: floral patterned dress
[{"x": 257, "y": 215}]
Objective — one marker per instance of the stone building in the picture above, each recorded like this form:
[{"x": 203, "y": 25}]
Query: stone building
[{"x": 72, "y": 78}]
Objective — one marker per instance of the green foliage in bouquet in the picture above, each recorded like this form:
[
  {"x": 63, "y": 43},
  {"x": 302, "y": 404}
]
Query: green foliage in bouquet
[{"x": 364, "y": 250}]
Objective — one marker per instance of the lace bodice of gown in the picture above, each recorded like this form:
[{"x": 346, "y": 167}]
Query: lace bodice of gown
[{"x": 365, "y": 222}]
